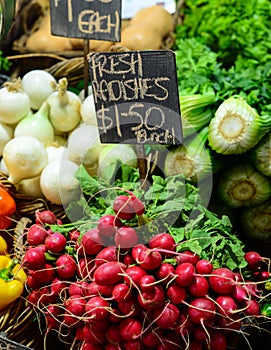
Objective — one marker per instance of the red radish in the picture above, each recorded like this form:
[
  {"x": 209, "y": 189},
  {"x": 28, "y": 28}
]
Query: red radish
[
  {"x": 44, "y": 275},
  {"x": 34, "y": 259},
  {"x": 128, "y": 259},
  {"x": 137, "y": 249},
  {"x": 187, "y": 256},
  {"x": 237, "y": 277},
  {"x": 185, "y": 274},
  {"x": 85, "y": 268},
  {"x": 36, "y": 234},
  {"x": 113, "y": 333},
  {"x": 202, "y": 310},
  {"x": 121, "y": 292},
  {"x": 238, "y": 293},
  {"x": 129, "y": 307},
  {"x": 93, "y": 336},
  {"x": 57, "y": 286},
  {"x": 56, "y": 242},
  {"x": 229, "y": 323},
  {"x": 106, "y": 254},
  {"x": 90, "y": 346},
  {"x": 204, "y": 267},
  {"x": 97, "y": 307},
  {"x": 186, "y": 325},
  {"x": 42, "y": 247},
  {"x": 46, "y": 297},
  {"x": 107, "y": 225},
  {"x": 32, "y": 282},
  {"x": 123, "y": 208},
  {"x": 200, "y": 287},
  {"x": 149, "y": 259},
  {"x": 226, "y": 305},
  {"x": 261, "y": 275},
  {"x": 195, "y": 345},
  {"x": 169, "y": 341},
  {"x": 74, "y": 235},
  {"x": 109, "y": 273},
  {"x": 176, "y": 294},
  {"x": 165, "y": 272},
  {"x": 253, "y": 259},
  {"x": 163, "y": 241},
  {"x": 126, "y": 237},
  {"x": 147, "y": 283},
  {"x": 133, "y": 345},
  {"x": 252, "y": 307},
  {"x": 52, "y": 318},
  {"x": 218, "y": 340},
  {"x": 200, "y": 334},
  {"x": 130, "y": 328},
  {"x": 94, "y": 289},
  {"x": 251, "y": 288},
  {"x": 75, "y": 304},
  {"x": 78, "y": 288},
  {"x": 133, "y": 275},
  {"x": 111, "y": 346},
  {"x": 222, "y": 280},
  {"x": 116, "y": 315},
  {"x": 66, "y": 266},
  {"x": 151, "y": 338},
  {"x": 151, "y": 299},
  {"x": 138, "y": 205},
  {"x": 92, "y": 242},
  {"x": 99, "y": 325},
  {"x": 33, "y": 298},
  {"x": 45, "y": 217},
  {"x": 167, "y": 316}
]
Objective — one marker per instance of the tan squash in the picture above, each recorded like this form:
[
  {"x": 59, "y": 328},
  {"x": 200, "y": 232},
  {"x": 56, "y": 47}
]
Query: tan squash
[
  {"x": 140, "y": 37},
  {"x": 43, "y": 41},
  {"x": 157, "y": 16}
]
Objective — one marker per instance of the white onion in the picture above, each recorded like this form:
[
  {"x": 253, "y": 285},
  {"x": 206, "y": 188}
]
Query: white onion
[
  {"x": 64, "y": 108},
  {"x": 84, "y": 145},
  {"x": 114, "y": 153},
  {"x": 14, "y": 103},
  {"x": 82, "y": 93},
  {"x": 37, "y": 125},
  {"x": 30, "y": 187},
  {"x": 3, "y": 167},
  {"x": 58, "y": 182},
  {"x": 6, "y": 134},
  {"x": 25, "y": 157},
  {"x": 57, "y": 153},
  {"x": 88, "y": 111},
  {"x": 38, "y": 84}
]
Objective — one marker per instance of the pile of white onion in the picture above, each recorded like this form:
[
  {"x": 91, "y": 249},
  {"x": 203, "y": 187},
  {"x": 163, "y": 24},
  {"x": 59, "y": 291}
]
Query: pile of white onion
[{"x": 46, "y": 133}]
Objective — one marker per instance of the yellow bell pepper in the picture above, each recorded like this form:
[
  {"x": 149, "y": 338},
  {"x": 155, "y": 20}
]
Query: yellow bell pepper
[
  {"x": 3, "y": 246},
  {"x": 12, "y": 280}
]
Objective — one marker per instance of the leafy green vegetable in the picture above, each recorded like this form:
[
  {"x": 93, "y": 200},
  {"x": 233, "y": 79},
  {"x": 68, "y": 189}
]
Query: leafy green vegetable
[
  {"x": 233, "y": 29},
  {"x": 172, "y": 204}
]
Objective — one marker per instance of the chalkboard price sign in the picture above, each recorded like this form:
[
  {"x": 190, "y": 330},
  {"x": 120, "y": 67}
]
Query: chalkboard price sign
[
  {"x": 6, "y": 344},
  {"x": 86, "y": 19},
  {"x": 136, "y": 97}
]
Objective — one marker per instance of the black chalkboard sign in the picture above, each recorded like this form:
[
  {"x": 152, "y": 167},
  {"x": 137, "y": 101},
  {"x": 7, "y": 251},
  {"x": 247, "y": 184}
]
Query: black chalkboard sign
[
  {"x": 136, "y": 96},
  {"x": 86, "y": 19},
  {"x": 7, "y": 344}
]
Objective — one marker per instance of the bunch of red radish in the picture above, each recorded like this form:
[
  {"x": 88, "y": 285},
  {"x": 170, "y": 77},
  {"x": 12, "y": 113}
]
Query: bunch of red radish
[{"x": 127, "y": 295}]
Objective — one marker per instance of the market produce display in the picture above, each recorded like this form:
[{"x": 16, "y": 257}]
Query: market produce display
[
  {"x": 179, "y": 259},
  {"x": 122, "y": 282}
]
